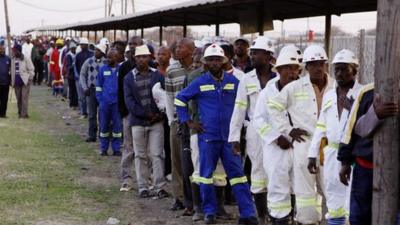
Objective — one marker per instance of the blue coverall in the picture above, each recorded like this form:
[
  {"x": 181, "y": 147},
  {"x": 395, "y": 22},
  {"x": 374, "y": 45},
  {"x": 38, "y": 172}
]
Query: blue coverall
[
  {"x": 216, "y": 101},
  {"x": 109, "y": 117}
]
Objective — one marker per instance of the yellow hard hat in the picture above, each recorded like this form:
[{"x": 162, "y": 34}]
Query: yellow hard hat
[{"x": 60, "y": 41}]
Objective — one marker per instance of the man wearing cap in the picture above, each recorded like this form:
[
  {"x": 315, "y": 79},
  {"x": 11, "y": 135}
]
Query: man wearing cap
[
  {"x": 242, "y": 60},
  {"x": 87, "y": 80},
  {"x": 302, "y": 99},
  {"x": 5, "y": 79},
  {"x": 70, "y": 74},
  {"x": 147, "y": 123},
  {"x": 215, "y": 93},
  {"x": 22, "y": 72},
  {"x": 249, "y": 88},
  {"x": 81, "y": 57},
  {"x": 106, "y": 95},
  {"x": 276, "y": 147},
  {"x": 328, "y": 132}
]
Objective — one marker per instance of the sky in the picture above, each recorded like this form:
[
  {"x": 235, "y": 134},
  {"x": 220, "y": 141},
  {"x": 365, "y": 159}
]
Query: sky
[{"x": 26, "y": 14}]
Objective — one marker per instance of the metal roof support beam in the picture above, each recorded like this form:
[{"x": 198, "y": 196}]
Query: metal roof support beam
[
  {"x": 328, "y": 26},
  {"x": 184, "y": 26},
  {"x": 115, "y": 35},
  {"x": 95, "y": 36},
  {"x": 217, "y": 22},
  {"x": 127, "y": 35},
  {"x": 142, "y": 32},
  {"x": 88, "y": 35},
  {"x": 161, "y": 34}
]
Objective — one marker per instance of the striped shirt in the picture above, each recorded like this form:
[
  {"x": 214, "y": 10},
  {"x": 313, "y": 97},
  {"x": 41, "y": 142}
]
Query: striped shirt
[
  {"x": 143, "y": 82},
  {"x": 174, "y": 83}
]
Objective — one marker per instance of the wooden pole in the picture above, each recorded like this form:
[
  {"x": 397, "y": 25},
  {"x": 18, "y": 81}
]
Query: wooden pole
[
  {"x": 328, "y": 23},
  {"x": 361, "y": 61},
  {"x": 386, "y": 140},
  {"x": 8, "y": 30}
]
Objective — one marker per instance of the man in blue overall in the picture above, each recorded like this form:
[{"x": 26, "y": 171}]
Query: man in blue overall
[
  {"x": 107, "y": 96},
  {"x": 215, "y": 93}
]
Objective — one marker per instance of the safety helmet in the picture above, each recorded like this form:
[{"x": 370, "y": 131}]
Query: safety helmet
[
  {"x": 263, "y": 43},
  {"x": 102, "y": 48},
  {"x": 159, "y": 96},
  {"x": 142, "y": 50},
  {"x": 83, "y": 41},
  {"x": 60, "y": 41},
  {"x": 345, "y": 56},
  {"x": 289, "y": 55},
  {"x": 214, "y": 50},
  {"x": 293, "y": 48},
  {"x": 104, "y": 41},
  {"x": 314, "y": 53}
]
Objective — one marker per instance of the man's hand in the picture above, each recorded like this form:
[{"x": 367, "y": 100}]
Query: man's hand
[
  {"x": 198, "y": 127},
  {"x": 344, "y": 174},
  {"x": 236, "y": 148},
  {"x": 284, "y": 143},
  {"x": 385, "y": 109},
  {"x": 297, "y": 133},
  {"x": 312, "y": 165}
]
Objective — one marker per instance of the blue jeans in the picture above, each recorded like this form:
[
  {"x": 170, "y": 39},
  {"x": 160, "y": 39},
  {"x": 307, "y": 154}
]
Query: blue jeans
[{"x": 361, "y": 196}]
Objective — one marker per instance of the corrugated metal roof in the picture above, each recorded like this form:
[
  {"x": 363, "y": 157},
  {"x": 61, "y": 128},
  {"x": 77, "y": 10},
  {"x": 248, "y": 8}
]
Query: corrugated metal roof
[{"x": 207, "y": 12}]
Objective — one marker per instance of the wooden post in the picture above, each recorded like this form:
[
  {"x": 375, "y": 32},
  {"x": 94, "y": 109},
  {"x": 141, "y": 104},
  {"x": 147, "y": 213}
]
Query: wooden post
[
  {"x": 260, "y": 18},
  {"x": 217, "y": 22},
  {"x": 161, "y": 35},
  {"x": 361, "y": 70},
  {"x": 386, "y": 140},
  {"x": 328, "y": 23},
  {"x": 8, "y": 30}
]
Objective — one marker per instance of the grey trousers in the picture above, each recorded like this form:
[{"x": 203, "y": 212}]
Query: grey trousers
[
  {"x": 176, "y": 166},
  {"x": 127, "y": 152},
  {"x": 148, "y": 142},
  {"x": 22, "y": 95},
  {"x": 92, "y": 111}
]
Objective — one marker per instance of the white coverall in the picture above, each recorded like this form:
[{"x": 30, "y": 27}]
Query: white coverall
[
  {"x": 330, "y": 126},
  {"x": 246, "y": 99},
  {"x": 278, "y": 163},
  {"x": 298, "y": 98}
]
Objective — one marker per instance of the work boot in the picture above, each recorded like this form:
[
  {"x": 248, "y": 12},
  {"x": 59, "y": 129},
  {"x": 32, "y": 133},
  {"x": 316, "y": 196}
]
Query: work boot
[
  {"x": 198, "y": 213},
  {"x": 221, "y": 213},
  {"x": 248, "y": 221},
  {"x": 210, "y": 219},
  {"x": 260, "y": 201},
  {"x": 281, "y": 221}
]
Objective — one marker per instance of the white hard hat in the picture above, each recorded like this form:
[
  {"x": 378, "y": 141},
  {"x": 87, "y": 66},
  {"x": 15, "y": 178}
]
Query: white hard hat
[
  {"x": 159, "y": 96},
  {"x": 127, "y": 49},
  {"x": 142, "y": 50},
  {"x": 104, "y": 41},
  {"x": 345, "y": 56},
  {"x": 263, "y": 43},
  {"x": 214, "y": 50},
  {"x": 314, "y": 53},
  {"x": 68, "y": 38},
  {"x": 288, "y": 56},
  {"x": 293, "y": 48},
  {"x": 102, "y": 48},
  {"x": 83, "y": 41}
]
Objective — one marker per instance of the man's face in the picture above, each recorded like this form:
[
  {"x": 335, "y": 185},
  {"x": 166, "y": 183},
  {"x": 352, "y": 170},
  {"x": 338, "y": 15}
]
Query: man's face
[
  {"x": 183, "y": 51},
  {"x": 344, "y": 73},
  {"x": 259, "y": 57},
  {"x": 133, "y": 43},
  {"x": 142, "y": 61},
  {"x": 317, "y": 69},
  {"x": 288, "y": 73},
  {"x": 112, "y": 57},
  {"x": 84, "y": 46},
  {"x": 241, "y": 48},
  {"x": 163, "y": 56},
  {"x": 73, "y": 50},
  {"x": 2, "y": 50},
  {"x": 97, "y": 53},
  {"x": 215, "y": 64}
]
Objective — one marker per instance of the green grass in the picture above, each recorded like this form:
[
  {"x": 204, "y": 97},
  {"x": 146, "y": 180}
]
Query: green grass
[{"x": 41, "y": 163}]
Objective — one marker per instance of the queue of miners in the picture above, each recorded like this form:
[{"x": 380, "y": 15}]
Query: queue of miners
[{"x": 199, "y": 109}]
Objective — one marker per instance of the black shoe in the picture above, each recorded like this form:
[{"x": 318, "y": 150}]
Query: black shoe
[
  {"x": 248, "y": 221},
  {"x": 210, "y": 219},
  {"x": 177, "y": 205},
  {"x": 118, "y": 153},
  {"x": 144, "y": 194},
  {"x": 90, "y": 139},
  {"x": 162, "y": 194},
  {"x": 103, "y": 153}
]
